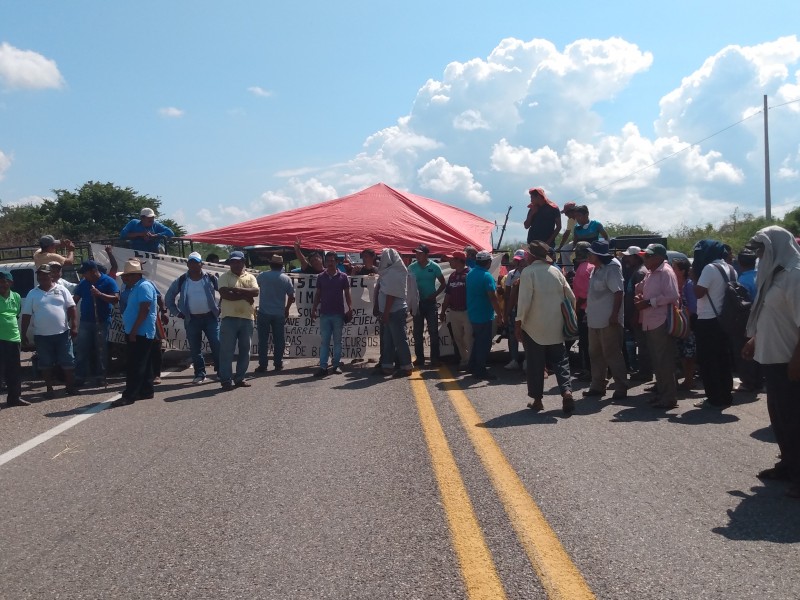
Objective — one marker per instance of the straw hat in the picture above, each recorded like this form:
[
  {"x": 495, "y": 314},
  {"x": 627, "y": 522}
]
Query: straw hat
[{"x": 132, "y": 267}]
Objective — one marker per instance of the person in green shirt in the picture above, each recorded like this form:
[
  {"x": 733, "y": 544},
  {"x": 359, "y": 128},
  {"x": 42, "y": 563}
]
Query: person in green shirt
[
  {"x": 10, "y": 341},
  {"x": 430, "y": 283}
]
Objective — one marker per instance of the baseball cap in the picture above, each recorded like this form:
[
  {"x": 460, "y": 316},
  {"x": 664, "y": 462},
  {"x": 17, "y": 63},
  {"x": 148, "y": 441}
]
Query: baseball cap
[
  {"x": 276, "y": 259},
  {"x": 147, "y": 212},
  {"x": 47, "y": 240},
  {"x": 568, "y": 206},
  {"x": 519, "y": 255},
  {"x": 632, "y": 251},
  {"x": 422, "y": 248},
  {"x": 6, "y": 275},
  {"x": 43, "y": 269},
  {"x": 54, "y": 264},
  {"x": 195, "y": 256},
  {"x": 87, "y": 265},
  {"x": 483, "y": 255},
  {"x": 458, "y": 255},
  {"x": 656, "y": 249},
  {"x": 236, "y": 255}
]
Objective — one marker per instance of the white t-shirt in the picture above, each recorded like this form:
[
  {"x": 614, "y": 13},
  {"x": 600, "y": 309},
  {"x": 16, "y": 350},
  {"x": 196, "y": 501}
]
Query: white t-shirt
[
  {"x": 196, "y": 298},
  {"x": 712, "y": 280},
  {"x": 778, "y": 325},
  {"x": 48, "y": 309}
]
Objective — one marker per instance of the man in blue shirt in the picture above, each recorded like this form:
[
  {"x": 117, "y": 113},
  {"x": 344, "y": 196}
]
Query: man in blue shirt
[
  {"x": 145, "y": 233},
  {"x": 427, "y": 274},
  {"x": 482, "y": 306},
  {"x": 96, "y": 293},
  {"x": 139, "y": 321},
  {"x": 277, "y": 295}
]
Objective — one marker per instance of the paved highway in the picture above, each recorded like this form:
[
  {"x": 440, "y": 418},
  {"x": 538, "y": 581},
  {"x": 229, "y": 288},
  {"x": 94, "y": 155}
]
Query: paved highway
[{"x": 357, "y": 486}]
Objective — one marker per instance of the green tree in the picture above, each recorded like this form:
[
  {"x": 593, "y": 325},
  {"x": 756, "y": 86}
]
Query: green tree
[{"x": 93, "y": 211}]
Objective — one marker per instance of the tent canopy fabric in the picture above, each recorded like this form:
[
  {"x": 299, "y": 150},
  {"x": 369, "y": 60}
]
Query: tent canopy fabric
[{"x": 377, "y": 217}]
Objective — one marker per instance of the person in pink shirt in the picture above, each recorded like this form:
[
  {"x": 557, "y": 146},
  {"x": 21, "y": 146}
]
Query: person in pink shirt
[
  {"x": 659, "y": 291},
  {"x": 580, "y": 286}
]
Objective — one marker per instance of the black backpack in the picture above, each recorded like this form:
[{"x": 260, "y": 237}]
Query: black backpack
[{"x": 735, "y": 310}]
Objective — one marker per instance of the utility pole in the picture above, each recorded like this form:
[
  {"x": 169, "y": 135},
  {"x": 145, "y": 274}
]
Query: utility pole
[{"x": 767, "y": 193}]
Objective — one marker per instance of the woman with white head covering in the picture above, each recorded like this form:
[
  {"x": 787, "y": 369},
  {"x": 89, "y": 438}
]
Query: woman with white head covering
[
  {"x": 774, "y": 327},
  {"x": 393, "y": 307}
]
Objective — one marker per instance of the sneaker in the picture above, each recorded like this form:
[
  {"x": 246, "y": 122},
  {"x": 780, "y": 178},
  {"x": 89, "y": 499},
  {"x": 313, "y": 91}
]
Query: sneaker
[
  {"x": 199, "y": 379},
  {"x": 242, "y": 383},
  {"x": 337, "y": 370},
  {"x": 279, "y": 367},
  {"x": 512, "y": 365},
  {"x": 705, "y": 404},
  {"x": 261, "y": 369},
  {"x": 320, "y": 372},
  {"x": 156, "y": 380},
  {"x": 226, "y": 385}
]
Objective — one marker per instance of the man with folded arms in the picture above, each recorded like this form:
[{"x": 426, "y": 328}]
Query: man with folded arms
[
  {"x": 196, "y": 291},
  {"x": 238, "y": 290}
]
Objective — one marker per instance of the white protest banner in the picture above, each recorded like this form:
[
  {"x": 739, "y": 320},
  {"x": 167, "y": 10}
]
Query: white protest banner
[{"x": 360, "y": 337}]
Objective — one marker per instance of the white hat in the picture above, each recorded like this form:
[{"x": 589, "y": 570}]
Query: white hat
[
  {"x": 147, "y": 212},
  {"x": 632, "y": 251},
  {"x": 195, "y": 256}
]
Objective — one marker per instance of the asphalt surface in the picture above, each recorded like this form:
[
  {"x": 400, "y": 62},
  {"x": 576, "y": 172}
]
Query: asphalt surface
[{"x": 299, "y": 487}]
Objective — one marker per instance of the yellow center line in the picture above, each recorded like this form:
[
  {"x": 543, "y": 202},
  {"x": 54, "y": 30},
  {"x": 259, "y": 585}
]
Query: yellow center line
[
  {"x": 559, "y": 576},
  {"x": 477, "y": 567}
]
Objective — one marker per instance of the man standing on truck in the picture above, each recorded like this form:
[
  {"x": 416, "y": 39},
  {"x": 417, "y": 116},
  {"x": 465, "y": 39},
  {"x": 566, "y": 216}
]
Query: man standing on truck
[
  {"x": 145, "y": 233},
  {"x": 47, "y": 252}
]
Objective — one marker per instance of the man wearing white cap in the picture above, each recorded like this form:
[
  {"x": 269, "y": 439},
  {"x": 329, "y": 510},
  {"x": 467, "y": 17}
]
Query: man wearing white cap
[
  {"x": 197, "y": 304},
  {"x": 145, "y": 233}
]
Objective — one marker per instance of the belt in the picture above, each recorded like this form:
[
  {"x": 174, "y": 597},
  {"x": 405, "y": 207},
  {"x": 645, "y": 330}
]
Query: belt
[{"x": 206, "y": 314}]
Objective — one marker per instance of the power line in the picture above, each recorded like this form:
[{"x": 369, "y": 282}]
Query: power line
[{"x": 691, "y": 145}]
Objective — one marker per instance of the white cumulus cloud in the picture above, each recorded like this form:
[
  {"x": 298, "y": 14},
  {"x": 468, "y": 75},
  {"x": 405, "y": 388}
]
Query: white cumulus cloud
[
  {"x": 259, "y": 91},
  {"x": 452, "y": 181},
  {"x": 26, "y": 69},
  {"x": 170, "y": 112},
  {"x": 5, "y": 163}
]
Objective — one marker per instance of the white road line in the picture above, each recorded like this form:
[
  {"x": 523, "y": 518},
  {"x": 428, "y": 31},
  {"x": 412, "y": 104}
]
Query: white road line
[
  {"x": 58, "y": 429},
  {"x": 61, "y": 428}
]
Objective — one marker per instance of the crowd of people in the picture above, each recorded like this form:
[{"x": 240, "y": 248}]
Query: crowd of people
[{"x": 626, "y": 304}]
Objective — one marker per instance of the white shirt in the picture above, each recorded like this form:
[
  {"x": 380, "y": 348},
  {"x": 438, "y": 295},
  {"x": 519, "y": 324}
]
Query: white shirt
[
  {"x": 48, "y": 309},
  {"x": 712, "y": 280},
  {"x": 196, "y": 298},
  {"x": 778, "y": 325}
]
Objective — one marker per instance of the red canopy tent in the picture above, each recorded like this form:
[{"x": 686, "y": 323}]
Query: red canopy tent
[{"x": 377, "y": 217}]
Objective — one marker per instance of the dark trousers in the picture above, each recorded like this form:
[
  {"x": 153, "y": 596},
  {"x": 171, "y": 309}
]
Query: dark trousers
[
  {"x": 783, "y": 404},
  {"x": 481, "y": 347},
  {"x": 10, "y": 370},
  {"x": 538, "y": 356},
  {"x": 714, "y": 359},
  {"x": 583, "y": 341},
  {"x": 139, "y": 373},
  {"x": 426, "y": 313}
]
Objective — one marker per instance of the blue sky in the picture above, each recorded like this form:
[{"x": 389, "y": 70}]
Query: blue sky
[{"x": 228, "y": 111}]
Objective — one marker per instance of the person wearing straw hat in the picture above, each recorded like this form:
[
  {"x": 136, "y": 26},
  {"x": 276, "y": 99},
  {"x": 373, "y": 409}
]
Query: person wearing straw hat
[
  {"x": 10, "y": 340},
  {"x": 197, "y": 304},
  {"x": 139, "y": 323},
  {"x": 274, "y": 300}
]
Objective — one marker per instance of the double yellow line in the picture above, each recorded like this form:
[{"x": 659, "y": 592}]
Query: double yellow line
[{"x": 557, "y": 573}]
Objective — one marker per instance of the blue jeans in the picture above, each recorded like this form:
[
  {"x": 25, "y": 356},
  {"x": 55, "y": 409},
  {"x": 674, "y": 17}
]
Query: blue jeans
[
  {"x": 277, "y": 324},
  {"x": 330, "y": 326},
  {"x": 55, "y": 350},
  {"x": 195, "y": 328},
  {"x": 234, "y": 332},
  {"x": 426, "y": 313},
  {"x": 395, "y": 341},
  {"x": 87, "y": 345},
  {"x": 481, "y": 347}
]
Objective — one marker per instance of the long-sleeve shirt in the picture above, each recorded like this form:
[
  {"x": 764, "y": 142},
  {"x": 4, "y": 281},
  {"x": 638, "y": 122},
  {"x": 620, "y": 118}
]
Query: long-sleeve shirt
[
  {"x": 542, "y": 289},
  {"x": 659, "y": 289}
]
